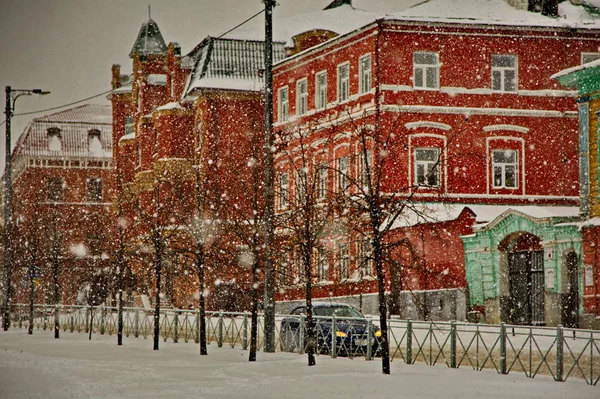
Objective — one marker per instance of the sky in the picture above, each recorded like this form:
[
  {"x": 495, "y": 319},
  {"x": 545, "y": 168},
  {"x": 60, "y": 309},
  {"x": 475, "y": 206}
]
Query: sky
[{"x": 68, "y": 46}]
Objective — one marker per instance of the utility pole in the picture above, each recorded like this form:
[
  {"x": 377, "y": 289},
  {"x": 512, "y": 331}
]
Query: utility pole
[
  {"x": 269, "y": 275},
  {"x": 11, "y": 99},
  {"x": 7, "y": 208}
]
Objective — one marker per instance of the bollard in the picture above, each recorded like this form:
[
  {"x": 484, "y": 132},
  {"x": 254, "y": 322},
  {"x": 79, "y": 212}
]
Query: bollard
[
  {"x": 502, "y": 348},
  {"x": 559, "y": 352},
  {"x": 333, "y": 337},
  {"x": 176, "y": 328},
  {"x": 301, "y": 333},
  {"x": 453, "y": 345},
  {"x": 46, "y": 318},
  {"x": 220, "y": 329},
  {"x": 87, "y": 320},
  {"x": 136, "y": 324},
  {"x": 245, "y": 332},
  {"x": 409, "y": 334},
  {"x": 197, "y": 338},
  {"x": 102, "y": 319},
  {"x": 369, "y": 355}
]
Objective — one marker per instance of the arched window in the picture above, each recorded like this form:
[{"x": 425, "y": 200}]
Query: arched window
[
  {"x": 54, "y": 139},
  {"x": 94, "y": 143}
]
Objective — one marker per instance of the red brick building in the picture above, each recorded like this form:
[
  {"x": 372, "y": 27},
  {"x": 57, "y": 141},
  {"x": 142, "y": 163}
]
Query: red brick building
[
  {"x": 472, "y": 120},
  {"x": 190, "y": 127},
  {"x": 63, "y": 202}
]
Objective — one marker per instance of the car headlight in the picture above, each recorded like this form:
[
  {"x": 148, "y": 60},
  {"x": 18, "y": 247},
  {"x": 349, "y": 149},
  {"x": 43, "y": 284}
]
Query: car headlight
[
  {"x": 378, "y": 333},
  {"x": 341, "y": 334}
]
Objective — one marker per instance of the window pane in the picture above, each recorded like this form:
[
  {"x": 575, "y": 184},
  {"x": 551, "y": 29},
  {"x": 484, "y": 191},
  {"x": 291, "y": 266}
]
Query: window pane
[
  {"x": 432, "y": 177},
  {"x": 505, "y": 61},
  {"x": 426, "y": 154},
  {"x": 510, "y": 80},
  {"x": 496, "y": 80},
  {"x": 497, "y": 176},
  {"x": 425, "y": 58},
  {"x": 510, "y": 176},
  {"x": 431, "y": 77},
  {"x": 506, "y": 156},
  {"x": 420, "y": 174},
  {"x": 419, "y": 77}
]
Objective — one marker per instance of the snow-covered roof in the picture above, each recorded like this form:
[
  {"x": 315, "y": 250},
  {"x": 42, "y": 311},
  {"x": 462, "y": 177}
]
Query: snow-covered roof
[
  {"x": 429, "y": 212},
  {"x": 229, "y": 64},
  {"x": 157, "y": 79},
  {"x": 74, "y": 125},
  {"x": 498, "y": 12},
  {"x": 341, "y": 20},
  {"x": 589, "y": 65},
  {"x": 149, "y": 40}
]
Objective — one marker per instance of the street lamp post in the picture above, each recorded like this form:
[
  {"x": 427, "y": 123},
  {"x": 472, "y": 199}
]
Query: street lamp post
[
  {"x": 11, "y": 99},
  {"x": 269, "y": 276}
]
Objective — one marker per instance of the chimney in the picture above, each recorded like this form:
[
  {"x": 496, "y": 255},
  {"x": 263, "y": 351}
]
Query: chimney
[
  {"x": 550, "y": 8},
  {"x": 116, "y": 76}
]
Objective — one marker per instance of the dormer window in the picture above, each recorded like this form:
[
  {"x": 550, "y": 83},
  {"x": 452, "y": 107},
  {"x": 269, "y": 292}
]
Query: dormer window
[
  {"x": 94, "y": 143},
  {"x": 54, "y": 139}
]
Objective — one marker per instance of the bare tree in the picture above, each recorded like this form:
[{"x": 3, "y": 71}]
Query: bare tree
[
  {"x": 305, "y": 215},
  {"x": 155, "y": 229}
]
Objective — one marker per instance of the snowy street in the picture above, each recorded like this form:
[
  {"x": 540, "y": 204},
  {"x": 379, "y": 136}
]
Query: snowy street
[{"x": 39, "y": 366}]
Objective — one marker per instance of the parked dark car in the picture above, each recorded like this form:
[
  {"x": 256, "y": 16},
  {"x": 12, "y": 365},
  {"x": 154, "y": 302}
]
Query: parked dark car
[{"x": 351, "y": 330}]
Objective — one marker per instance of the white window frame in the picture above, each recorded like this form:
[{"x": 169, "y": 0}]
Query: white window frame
[
  {"x": 322, "y": 266},
  {"x": 589, "y": 57},
  {"x": 362, "y": 168},
  {"x": 342, "y": 182},
  {"x": 343, "y": 262},
  {"x": 365, "y": 74},
  {"x": 284, "y": 190},
  {"x": 129, "y": 125},
  {"x": 365, "y": 259},
  {"x": 283, "y": 104},
  {"x": 58, "y": 183},
  {"x": 424, "y": 69},
  {"x": 301, "y": 97},
  {"x": 91, "y": 181},
  {"x": 502, "y": 71},
  {"x": 502, "y": 166},
  {"x": 323, "y": 176},
  {"x": 301, "y": 185},
  {"x": 426, "y": 165},
  {"x": 321, "y": 90},
  {"x": 343, "y": 82}
]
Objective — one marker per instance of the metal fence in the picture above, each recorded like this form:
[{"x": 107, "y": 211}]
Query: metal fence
[{"x": 561, "y": 353}]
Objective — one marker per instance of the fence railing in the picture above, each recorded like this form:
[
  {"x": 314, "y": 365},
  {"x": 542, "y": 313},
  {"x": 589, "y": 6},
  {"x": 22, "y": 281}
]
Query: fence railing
[{"x": 558, "y": 352}]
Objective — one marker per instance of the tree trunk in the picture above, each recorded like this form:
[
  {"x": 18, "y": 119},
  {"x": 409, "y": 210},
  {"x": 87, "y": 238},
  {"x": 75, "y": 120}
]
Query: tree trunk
[
  {"x": 254, "y": 315},
  {"x": 202, "y": 304},
  {"x": 385, "y": 345},
  {"x": 91, "y": 321},
  {"x": 310, "y": 327},
  {"x": 158, "y": 267},
  {"x": 120, "y": 307},
  {"x": 56, "y": 299},
  {"x": 31, "y": 299}
]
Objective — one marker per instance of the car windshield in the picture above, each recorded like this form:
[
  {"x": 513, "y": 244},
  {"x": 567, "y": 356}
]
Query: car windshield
[{"x": 339, "y": 311}]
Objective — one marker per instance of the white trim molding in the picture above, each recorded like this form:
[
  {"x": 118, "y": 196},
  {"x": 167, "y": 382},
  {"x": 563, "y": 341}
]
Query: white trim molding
[
  {"x": 514, "y": 128},
  {"x": 427, "y": 124}
]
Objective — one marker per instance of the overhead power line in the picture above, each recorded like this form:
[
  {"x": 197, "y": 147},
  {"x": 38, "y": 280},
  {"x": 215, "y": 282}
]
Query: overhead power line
[
  {"x": 237, "y": 26},
  {"x": 62, "y": 106},
  {"x": 108, "y": 91}
]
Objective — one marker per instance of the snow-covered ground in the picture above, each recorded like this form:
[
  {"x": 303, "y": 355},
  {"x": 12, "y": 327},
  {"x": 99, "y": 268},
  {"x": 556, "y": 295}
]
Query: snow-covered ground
[{"x": 39, "y": 366}]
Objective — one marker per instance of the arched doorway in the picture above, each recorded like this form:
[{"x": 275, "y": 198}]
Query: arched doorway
[
  {"x": 570, "y": 306},
  {"x": 525, "y": 278}
]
